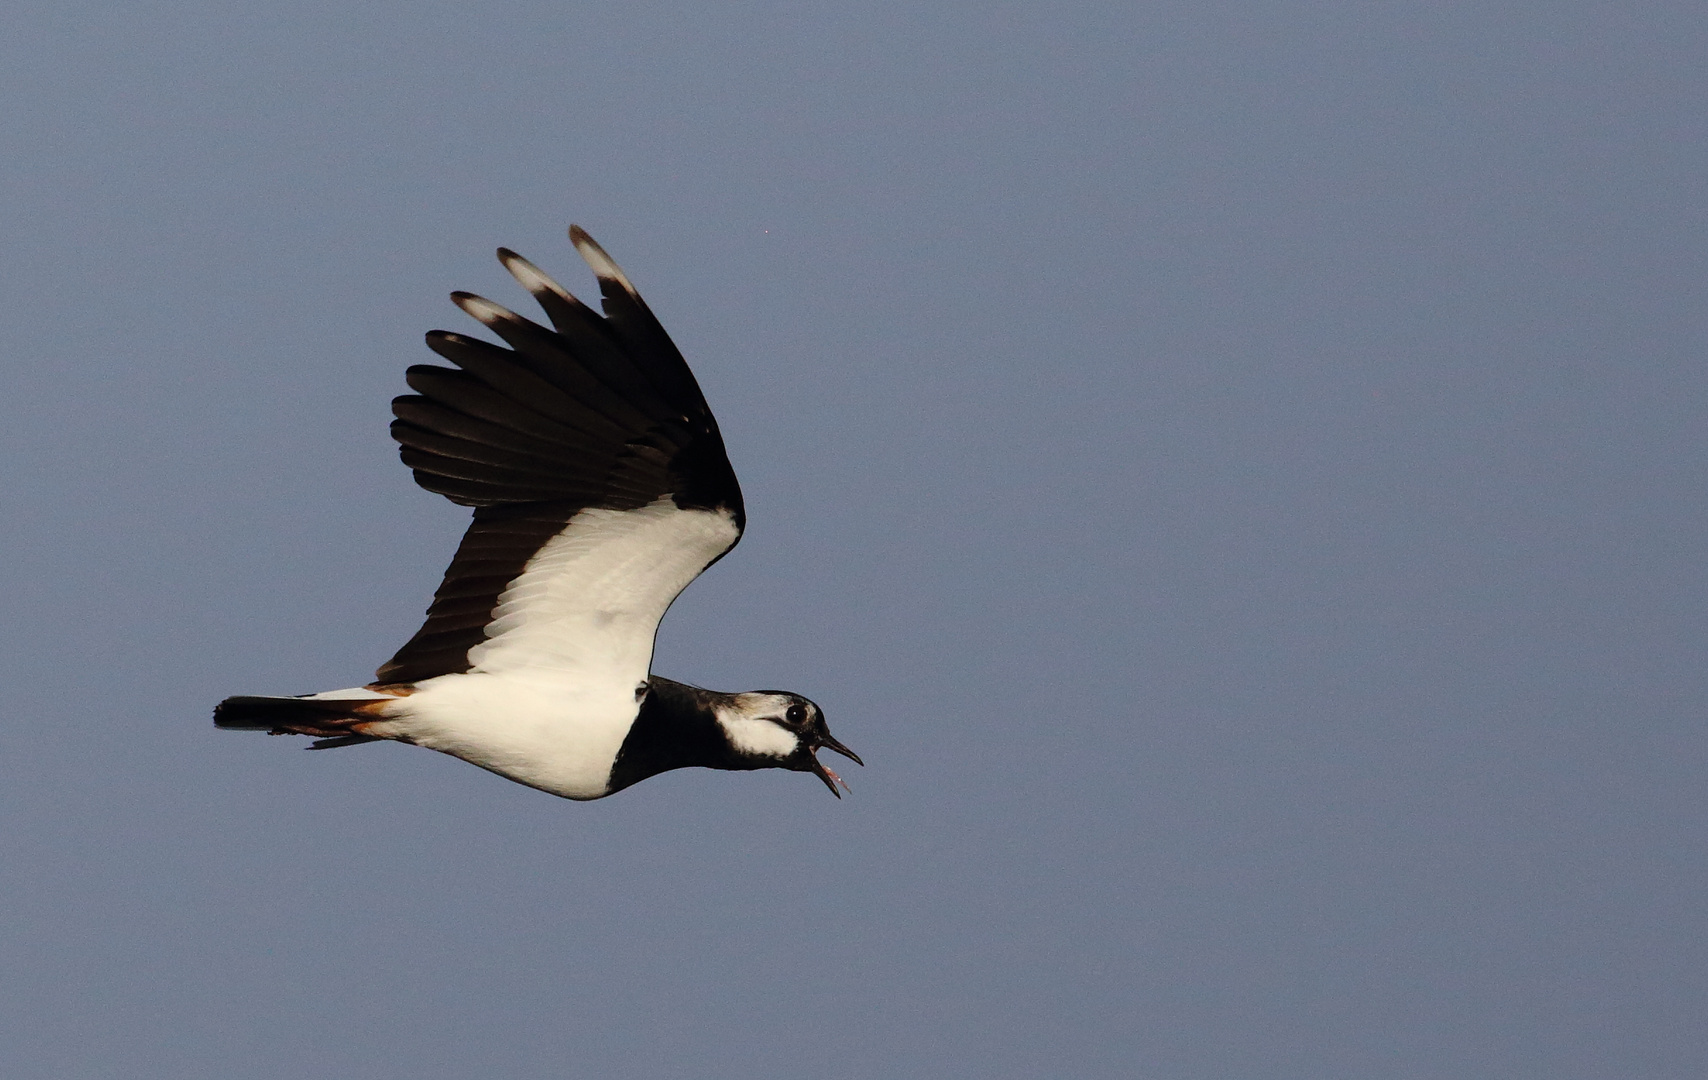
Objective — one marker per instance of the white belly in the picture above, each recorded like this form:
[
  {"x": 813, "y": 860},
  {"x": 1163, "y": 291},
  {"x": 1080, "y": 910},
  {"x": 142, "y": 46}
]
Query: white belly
[{"x": 535, "y": 727}]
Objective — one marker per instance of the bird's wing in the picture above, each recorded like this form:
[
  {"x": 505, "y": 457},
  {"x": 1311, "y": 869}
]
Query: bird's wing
[{"x": 597, "y": 473}]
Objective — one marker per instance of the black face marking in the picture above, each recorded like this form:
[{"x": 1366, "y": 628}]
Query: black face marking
[{"x": 640, "y": 691}]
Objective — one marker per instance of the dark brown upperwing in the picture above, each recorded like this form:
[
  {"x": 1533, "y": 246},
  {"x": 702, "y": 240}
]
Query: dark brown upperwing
[{"x": 599, "y": 411}]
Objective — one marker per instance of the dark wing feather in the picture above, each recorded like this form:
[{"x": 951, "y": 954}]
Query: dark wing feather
[{"x": 598, "y": 411}]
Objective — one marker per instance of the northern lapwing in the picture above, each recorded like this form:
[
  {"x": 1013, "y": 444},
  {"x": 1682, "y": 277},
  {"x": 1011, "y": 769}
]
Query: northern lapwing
[{"x": 600, "y": 489}]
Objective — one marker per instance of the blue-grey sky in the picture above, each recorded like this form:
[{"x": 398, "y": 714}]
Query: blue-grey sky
[{"x": 1233, "y": 469}]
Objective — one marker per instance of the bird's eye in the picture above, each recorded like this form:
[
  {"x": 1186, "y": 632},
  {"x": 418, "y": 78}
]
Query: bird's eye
[{"x": 797, "y": 714}]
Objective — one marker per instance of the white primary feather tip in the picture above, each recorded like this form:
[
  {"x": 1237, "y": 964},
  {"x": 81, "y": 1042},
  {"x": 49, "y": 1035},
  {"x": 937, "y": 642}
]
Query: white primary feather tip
[
  {"x": 482, "y": 308},
  {"x": 603, "y": 266},
  {"x": 531, "y": 277}
]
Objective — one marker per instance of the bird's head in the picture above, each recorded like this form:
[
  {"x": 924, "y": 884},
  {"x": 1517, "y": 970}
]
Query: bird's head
[{"x": 775, "y": 729}]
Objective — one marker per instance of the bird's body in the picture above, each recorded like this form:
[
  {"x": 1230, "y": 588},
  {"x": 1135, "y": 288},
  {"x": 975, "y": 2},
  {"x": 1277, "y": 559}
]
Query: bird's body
[
  {"x": 601, "y": 489},
  {"x": 548, "y": 730}
]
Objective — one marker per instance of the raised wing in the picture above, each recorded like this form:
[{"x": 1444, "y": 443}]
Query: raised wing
[{"x": 597, "y": 473}]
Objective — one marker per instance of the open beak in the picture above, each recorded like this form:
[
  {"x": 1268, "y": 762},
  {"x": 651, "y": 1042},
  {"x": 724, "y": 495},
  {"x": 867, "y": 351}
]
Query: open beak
[{"x": 825, "y": 742}]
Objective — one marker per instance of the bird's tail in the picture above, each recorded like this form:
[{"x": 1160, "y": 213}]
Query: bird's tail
[{"x": 335, "y": 720}]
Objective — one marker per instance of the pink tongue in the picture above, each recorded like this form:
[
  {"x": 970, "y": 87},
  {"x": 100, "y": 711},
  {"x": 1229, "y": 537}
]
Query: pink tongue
[{"x": 828, "y": 771}]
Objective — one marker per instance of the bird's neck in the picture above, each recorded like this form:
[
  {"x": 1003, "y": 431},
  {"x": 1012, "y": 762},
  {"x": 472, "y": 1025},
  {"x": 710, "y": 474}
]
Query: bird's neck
[{"x": 676, "y": 728}]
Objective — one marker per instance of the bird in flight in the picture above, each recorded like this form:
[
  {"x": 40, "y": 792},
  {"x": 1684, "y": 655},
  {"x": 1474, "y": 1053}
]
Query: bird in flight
[{"x": 600, "y": 489}]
